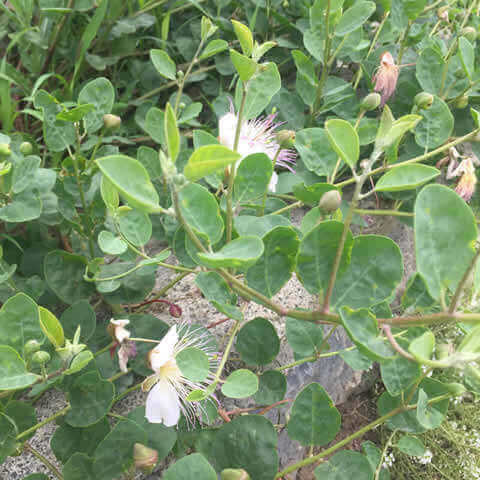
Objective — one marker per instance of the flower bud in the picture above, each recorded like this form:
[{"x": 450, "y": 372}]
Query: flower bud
[
  {"x": 462, "y": 102},
  {"x": 5, "y": 150},
  {"x": 111, "y": 121},
  {"x": 469, "y": 33},
  {"x": 234, "y": 474},
  {"x": 456, "y": 388},
  {"x": 180, "y": 75},
  {"x": 175, "y": 310},
  {"x": 443, "y": 351},
  {"x": 31, "y": 347},
  {"x": 330, "y": 201},
  {"x": 442, "y": 13},
  {"x": 26, "y": 148},
  {"x": 371, "y": 102},
  {"x": 423, "y": 100},
  {"x": 285, "y": 138},
  {"x": 41, "y": 357},
  {"x": 145, "y": 458},
  {"x": 179, "y": 179}
]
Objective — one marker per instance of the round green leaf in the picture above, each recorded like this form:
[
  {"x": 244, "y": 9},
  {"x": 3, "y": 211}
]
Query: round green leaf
[
  {"x": 258, "y": 342},
  {"x": 193, "y": 364},
  {"x": 252, "y": 177},
  {"x": 314, "y": 420},
  {"x": 131, "y": 179},
  {"x": 274, "y": 268},
  {"x": 411, "y": 446},
  {"x": 317, "y": 252},
  {"x": 78, "y": 467},
  {"x": 240, "y": 384},
  {"x": 429, "y": 69},
  {"x": 64, "y": 275},
  {"x": 272, "y": 388},
  {"x": 239, "y": 253},
  {"x": 189, "y": 467},
  {"x": 79, "y": 314},
  {"x": 406, "y": 177},
  {"x": 207, "y": 160},
  {"x": 90, "y": 399},
  {"x": 215, "y": 46},
  {"x": 214, "y": 287},
  {"x": 303, "y": 337},
  {"x": 467, "y": 56},
  {"x": 136, "y": 227},
  {"x": 259, "y": 226},
  {"x": 101, "y": 94},
  {"x": 68, "y": 440},
  {"x": 344, "y": 139},
  {"x": 162, "y": 62},
  {"x": 315, "y": 151},
  {"x": 374, "y": 272},
  {"x": 399, "y": 373},
  {"x": 444, "y": 228},
  {"x": 110, "y": 244},
  {"x": 200, "y": 210},
  {"x": 362, "y": 327},
  {"x": 114, "y": 455},
  {"x": 13, "y": 371},
  {"x": 436, "y": 126},
  {"x": 354, "y": 18},
  {"x": 23, "y": 414},
  {"x": 248, "y": 442},
  {"x": 19, "y": 322},
  {"x": 8, "y": 444},
  {"x": 343, "y": 465},
  {"x": 24, "y": 207},
  {"x": 246, "y": 67}
]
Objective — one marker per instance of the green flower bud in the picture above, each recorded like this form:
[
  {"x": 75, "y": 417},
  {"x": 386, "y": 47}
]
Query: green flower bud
[
  {"x": 145, "y": 458},
  {"x": 285, "y": 138},
  {"x": 180, "y": 75},
  {"x": 423, "y": 100},
  {"x": 26, "y": 148},
  {"x": 442, "y": 13},
  {"x": 234, "y": 474},
  {"x": 179, "y": 179},
  {"x": 456, "y": 388},
  {"x": 330, "y": 201},
  {"x": 371, "y": 102},
  {"x": 111, "y": 121},
  {"x": 5, "y": 150},
  {"x": 469, "y": 33},
  {"x": 41, "y": 357},
  {"x": 31, "y": 347},
  {"x": 462, "y": 102}
]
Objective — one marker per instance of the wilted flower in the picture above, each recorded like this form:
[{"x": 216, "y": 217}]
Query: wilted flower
[
  {"x": 466, "y": 171},
  {"x": 385, "y": 79},
  {"x": 168, "y": 388},
  {"x": 256, "y": 136},
  {"x": 121, "y": 336}
]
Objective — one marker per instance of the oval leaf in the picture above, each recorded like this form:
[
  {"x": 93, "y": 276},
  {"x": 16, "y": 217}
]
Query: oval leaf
[
  {"x": 406, "y": 177},
  {"x": 344, "y": 140}
]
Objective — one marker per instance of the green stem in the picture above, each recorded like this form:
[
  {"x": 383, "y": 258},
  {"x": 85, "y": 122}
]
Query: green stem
[
  {"x": 287, "y": 208},
  {"x": 42, "y": 423},
  {"x": 353, "y": 436},
  {"x": 394, "y": 213},
  {"x": 226, "y": 352},
  {"x": 44, "y": 460},
  {"x": 104, "y": 349},
  {"x": 231, "y": 175},
  {"x": 403, "y": 42},
  {"x": 127, "y": 391},
  {"x": 384, "y": 453},
  {"x": 420, "y": 158}
]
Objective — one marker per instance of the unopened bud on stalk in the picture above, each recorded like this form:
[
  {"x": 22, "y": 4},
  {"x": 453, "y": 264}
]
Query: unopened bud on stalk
[
  {"x": 174, "y": 310},
  {"x": 285, "y": 138},
  {"x": 442, "y": 13},
  {"x": 469, "y": 33},
  {"x": 31, "y": 347},
  {"x": 180, "y": 75},
  {"x": 145, "y": 458},
  {"x": 462, "y": 102},
  {"x": 179, "y": 179},
  {"x": 41, "y": 357},
  {"x": 371, "y": 102},
  {"x": 423, "y": 100},
  {"x": 26, "y": 148},
  {"x": 5, "y": 150},
  {"x": 330, "y": 201},
  {"x": 111, "y": 121},
  {"x": 234, "y": 474}
]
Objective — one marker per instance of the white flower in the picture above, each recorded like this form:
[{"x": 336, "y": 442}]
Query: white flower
[
  {"x": 425, "y": 458},
  {"x": 121, "y": 336},
  {"x": 167, "y": 387},
  {"x": 256, "y": 136}
]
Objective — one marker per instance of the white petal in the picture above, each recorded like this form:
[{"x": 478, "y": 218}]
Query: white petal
[
  {"x": 163, "y": 405},
  {"x": 227, "y": 126},
  {"x": 273, "y": 182},
  {"x": 163, "y": 352},
  {"x": 120, "y": 333}
]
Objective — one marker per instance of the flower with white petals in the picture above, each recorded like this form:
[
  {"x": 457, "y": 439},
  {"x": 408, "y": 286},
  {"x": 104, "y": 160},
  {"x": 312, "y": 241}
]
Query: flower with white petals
[
  {"x": 121, "y": 336},
  {"x": 256, "y": 136},
  {"x": 168, "y": 388},
  {"x": 465, "y": 170}
]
